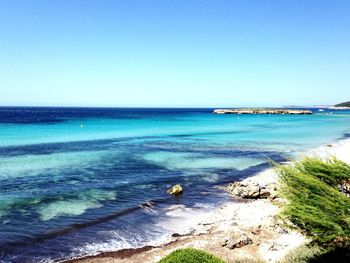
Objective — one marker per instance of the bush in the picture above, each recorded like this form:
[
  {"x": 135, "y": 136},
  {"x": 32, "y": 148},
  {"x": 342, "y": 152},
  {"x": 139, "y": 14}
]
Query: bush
[
  {"x": 331, "y": 171},
  {"x": 314, "y": 203},
  {"x": 190, "y": 255}
]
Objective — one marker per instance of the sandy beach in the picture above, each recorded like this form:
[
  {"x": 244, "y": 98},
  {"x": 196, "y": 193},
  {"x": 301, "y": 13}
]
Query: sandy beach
[{"x": 253, "y": 218}]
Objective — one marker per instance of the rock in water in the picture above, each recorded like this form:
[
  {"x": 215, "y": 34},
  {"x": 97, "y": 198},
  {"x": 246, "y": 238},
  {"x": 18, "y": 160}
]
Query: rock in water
[{"x": 175, "y": 190}]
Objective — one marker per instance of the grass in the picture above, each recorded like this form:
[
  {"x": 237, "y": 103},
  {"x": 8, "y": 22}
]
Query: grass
[
  {"x": 316, "y": 254},
  {"x": 315, "y": 204},
  {"x": 302, "y": 254},
  {"x": 190, "y": 255}
]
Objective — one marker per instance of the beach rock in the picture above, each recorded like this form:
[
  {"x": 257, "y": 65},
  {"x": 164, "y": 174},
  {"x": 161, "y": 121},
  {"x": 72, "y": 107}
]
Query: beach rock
[
  {"x": 244, "y": 190},
  {"x": 175, "y": 190},
  {"x": 236, "y": 240},
  {"x": 274, "y": 246},
  {"x": 252, "y": 189},
  {"x": 264, "y": 192},
  {"x": 281, "y": 230},
  {"x": 256, "y": 230},
  {"x": 269, "y": 191},
  {"x": 273, "y": 194}
]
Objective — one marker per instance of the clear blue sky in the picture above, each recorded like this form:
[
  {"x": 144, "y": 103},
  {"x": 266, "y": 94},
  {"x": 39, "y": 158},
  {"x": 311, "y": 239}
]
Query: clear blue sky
[{"x": 174, "y": 53}]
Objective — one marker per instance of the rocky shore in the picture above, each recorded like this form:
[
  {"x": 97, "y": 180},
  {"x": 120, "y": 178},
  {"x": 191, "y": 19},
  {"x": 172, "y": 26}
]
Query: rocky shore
[
  {"x": 247, "y": 228},
  {"x": 262, "y": 111}
]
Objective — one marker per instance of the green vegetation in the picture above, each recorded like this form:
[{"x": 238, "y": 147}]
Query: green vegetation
[
  {"x": 302, "y": 254},
  {"x": 344, "y": 104},
  {"x": 316, "y": 254},
  {"x": 331, "y": 171},
  {"x": 315, "y": 204},
  {"x": 190, "y": 255}
]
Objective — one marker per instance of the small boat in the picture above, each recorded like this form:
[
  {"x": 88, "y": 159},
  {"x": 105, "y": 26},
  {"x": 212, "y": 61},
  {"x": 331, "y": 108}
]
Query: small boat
[{"x": 321, "y": 110}]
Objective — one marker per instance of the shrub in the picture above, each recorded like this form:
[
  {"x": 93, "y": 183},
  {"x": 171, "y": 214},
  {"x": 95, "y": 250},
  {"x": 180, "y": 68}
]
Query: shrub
[
  {"x": 190, "y": 255},
  {"x": 314, "y": 203},
  {"x": 331, "y": 171}
]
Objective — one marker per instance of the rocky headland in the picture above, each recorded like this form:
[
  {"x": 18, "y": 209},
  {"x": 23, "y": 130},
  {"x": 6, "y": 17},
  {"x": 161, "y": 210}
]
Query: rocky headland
[
  {"x": 262, "y": 111},
  {"x": 345, "y": 105}
]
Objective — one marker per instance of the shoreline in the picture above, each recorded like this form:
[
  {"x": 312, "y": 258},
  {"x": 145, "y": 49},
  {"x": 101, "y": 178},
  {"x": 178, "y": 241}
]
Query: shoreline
[{"x": 252, "y": 217}]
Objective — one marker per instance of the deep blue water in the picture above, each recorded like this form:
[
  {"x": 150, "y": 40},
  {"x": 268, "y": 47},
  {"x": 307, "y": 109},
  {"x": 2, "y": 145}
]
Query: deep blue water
[{"x": 76, "y": 181}]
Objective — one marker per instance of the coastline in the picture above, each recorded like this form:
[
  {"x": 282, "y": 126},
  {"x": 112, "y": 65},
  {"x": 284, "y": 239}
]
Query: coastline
[{"x": 255, "y": 217}]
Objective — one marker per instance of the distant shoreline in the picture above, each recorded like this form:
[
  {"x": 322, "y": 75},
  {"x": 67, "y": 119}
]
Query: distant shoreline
[
  {"x": 263, "y": 111},
  {"x": 166, "y": 107}
]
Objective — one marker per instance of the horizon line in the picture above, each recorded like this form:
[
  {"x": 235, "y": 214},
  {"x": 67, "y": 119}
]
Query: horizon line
[{"x": 165, "y": 107}]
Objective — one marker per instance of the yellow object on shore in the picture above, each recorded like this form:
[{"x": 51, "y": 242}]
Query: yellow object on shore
[{"x": 175, "y": 190}]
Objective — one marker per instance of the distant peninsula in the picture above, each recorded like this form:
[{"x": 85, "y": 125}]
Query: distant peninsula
[
  {"x": 262, "y": 111},
  {"x": 344, "y": 104},
  {"x": 341, "y": 106}
]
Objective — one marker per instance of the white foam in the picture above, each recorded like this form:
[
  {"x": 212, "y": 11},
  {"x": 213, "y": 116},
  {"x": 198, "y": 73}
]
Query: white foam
[
  {"x": 177, "y": 219},
  {"x": 118, "y": 241},
  {"x": 183, "y": 220}
]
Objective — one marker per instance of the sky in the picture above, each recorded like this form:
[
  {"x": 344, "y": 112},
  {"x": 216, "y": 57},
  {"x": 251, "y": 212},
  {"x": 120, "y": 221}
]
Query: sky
[{"x": 167, "y": 53}]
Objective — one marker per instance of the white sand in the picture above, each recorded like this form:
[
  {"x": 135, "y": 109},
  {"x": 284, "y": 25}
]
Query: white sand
[{"x": 340, "y": 150}]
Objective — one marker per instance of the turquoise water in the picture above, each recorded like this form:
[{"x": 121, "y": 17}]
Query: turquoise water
[{"x": 78, "y": 181}]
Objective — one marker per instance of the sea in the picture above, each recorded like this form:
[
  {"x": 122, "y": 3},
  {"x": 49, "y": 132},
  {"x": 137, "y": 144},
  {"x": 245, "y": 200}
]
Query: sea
[{"x": 79, "y": 181}]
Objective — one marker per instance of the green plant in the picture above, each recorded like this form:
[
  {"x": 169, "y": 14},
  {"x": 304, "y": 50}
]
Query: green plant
[
  {"x": 316, "y": 254},
  {"x": 314, "y": 203},
  {"x": 331, "y": 171},
  {"x": 302, "y": 254},
  {"x": 190, "y": 255}
]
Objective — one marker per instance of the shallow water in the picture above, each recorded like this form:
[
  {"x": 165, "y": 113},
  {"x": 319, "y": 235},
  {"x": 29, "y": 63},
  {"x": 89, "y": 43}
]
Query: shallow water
[{"x": 76, "y": 181}]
